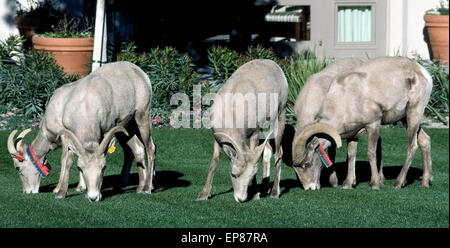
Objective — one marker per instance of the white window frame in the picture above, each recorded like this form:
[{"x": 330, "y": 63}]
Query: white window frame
[{"x": 355, "y": 45}]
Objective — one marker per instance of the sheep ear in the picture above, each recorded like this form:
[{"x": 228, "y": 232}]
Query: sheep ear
[
  {"x": 230, "y": 151},
  {"x": 313, "y": 143},
  {"x": 73, "y": 148}
]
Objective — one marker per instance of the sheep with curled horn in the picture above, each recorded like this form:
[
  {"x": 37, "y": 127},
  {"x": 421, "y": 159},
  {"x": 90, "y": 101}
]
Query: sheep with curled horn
[
  {"x": 382, "y": 91},
  {"x": 307, "y": 106},
  {"x": 82, "y": 117},
  {"x": 235, "y": 119}
]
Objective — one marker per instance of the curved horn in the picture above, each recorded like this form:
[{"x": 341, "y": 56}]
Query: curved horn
[
  {"x": 74, "y": 139},
  {"x": 223, "y": 137},
  {"x": 22, "y": 136},
  {"x": 11, "y": 148},
  {"x": 299, "y": 143},
  {"x": 108, "y": 136}
]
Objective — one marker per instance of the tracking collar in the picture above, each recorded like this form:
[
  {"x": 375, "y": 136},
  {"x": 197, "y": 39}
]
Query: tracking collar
[{"x": 43, "y": 169}]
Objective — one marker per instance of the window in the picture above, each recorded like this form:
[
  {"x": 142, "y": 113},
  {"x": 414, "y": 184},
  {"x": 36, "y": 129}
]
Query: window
[
  {"x": 289, "y": 22},
  {"x": 355, "y": 24}
]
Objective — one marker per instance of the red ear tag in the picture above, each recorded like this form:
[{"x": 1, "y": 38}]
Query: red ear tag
[{"x": 20, "y": 158}]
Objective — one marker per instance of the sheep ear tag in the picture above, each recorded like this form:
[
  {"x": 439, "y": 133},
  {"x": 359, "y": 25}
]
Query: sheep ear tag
[
  {"x": 111, "y": 149},
  {"x": 20, "y": 158},
  {"x": 111, "y": 146},
  {"x": 323, "y": 156}
]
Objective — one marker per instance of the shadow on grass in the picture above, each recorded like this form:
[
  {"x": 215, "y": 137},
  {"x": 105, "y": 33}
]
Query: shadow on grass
[
  {"x": 362, "y": 176},
  {"x": 163, "y": 181},
  {"x": 363, "y": 173}
]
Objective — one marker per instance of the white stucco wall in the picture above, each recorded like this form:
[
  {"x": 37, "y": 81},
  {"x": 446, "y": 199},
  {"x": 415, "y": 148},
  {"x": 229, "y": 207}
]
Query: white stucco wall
[
  {"x": 401, "y": 31},
  {"x": 7, "y": 12},
  {"x": 405, "y": 27}
]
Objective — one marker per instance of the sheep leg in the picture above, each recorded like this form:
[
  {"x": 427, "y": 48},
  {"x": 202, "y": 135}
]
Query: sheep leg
[
  {"x": 373, "y": 134},
  {"x": 66, "y": 164},
  {"x": 143, "y": 122},
  {"x": 267, "y": 155},
  {"x": 333, "y": 176},
  {"x": 379, "y": 161},
  {"x": 138, "y": 150},
  {"x": 127, "y": 160},
  {"x": 278, "y": 155},
  {"x": 205, "y": 193},
  {"x": 350, "y": 180},
  {"x": 425, "y": 147},
  {"x": 412, "y": 130},
  {"x": 81, "y": 184},
  {"x": 254, "y": 184},
  {"x": 65, "y": 150}
]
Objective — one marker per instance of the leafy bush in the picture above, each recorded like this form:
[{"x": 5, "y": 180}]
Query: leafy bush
[
  {"x": 223, "y": 61},
  {"x": 298, "y": 69},
  {"x": 10, "y": 49},
  {"x": 259, "y": 52},
  {"x": 27, "y": 84},
  {"x": 169, "y": 71},
  {"x": 438, "y": 106}
]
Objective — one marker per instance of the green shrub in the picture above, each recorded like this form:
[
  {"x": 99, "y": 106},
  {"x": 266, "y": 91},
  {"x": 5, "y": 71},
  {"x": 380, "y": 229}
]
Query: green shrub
[
  {"x": 259, "y": 52},
  {"x": 27, "y": 84},
  {"x": 169, "y": 71},
  {"x": 11, "y": 49},
  {"x": 298, "y": 69},
  {"x": 437, "y": 107},
  {"x": 223, "y": 61}
]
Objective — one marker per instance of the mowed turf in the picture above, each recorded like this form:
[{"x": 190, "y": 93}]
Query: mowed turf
[{"x": 182, "y": 163}]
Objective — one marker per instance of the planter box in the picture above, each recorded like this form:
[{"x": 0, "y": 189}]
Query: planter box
[
  {"x": 437, "y": 26},
  {"x": 74, "y": 55}
]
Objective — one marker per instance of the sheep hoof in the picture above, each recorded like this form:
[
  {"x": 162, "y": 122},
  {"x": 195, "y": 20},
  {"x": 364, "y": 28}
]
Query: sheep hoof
[
  {"x": 346, "y": 186},
  {"x": 275, "y": 195},
  {"x": 375, "y": 186},
  {"x": 425, "y": 184},
  {"x": 202, "y": 196},
  {"x": 256, "y": 196},
  {"x": 80, "y": 189},
  {"x": 398, "y": 185},
  {"x": 60, "y": 196}
]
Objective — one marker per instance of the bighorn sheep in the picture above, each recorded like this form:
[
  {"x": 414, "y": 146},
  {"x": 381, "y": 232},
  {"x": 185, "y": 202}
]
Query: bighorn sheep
[
  {"x": 308, "y": 104},
  {"x": 82, "y": 117},
  {"x": 383, "y": 90},
  {"x": 235, "y": 119}
]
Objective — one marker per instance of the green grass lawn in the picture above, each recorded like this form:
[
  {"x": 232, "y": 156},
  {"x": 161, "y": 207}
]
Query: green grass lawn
[{"x": 182, "y": 163}]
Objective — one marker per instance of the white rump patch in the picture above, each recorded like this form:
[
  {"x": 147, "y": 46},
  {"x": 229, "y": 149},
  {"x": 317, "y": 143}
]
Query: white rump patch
[{"x": 427, "y": 75}]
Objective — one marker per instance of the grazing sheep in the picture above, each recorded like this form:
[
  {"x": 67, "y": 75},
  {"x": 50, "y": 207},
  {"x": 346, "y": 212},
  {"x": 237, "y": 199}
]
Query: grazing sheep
[
  {"x": 82, "y": 117},
  {"x": 382, "y": 91},
  {"x": 235, "y": 119}
]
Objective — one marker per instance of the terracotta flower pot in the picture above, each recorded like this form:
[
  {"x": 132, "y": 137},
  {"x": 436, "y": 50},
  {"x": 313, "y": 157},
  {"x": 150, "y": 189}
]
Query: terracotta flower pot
[
  {"x": 74, "y": 55},
  {"x": 437, "y": 26},
  {"x": 28, "y": 26}
]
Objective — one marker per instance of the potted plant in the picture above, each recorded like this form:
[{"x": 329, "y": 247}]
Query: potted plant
[
  {"x": 70, "y": 43},
  {"x": 38, "y": 17},
  {"x": 436, "y": 22}
]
